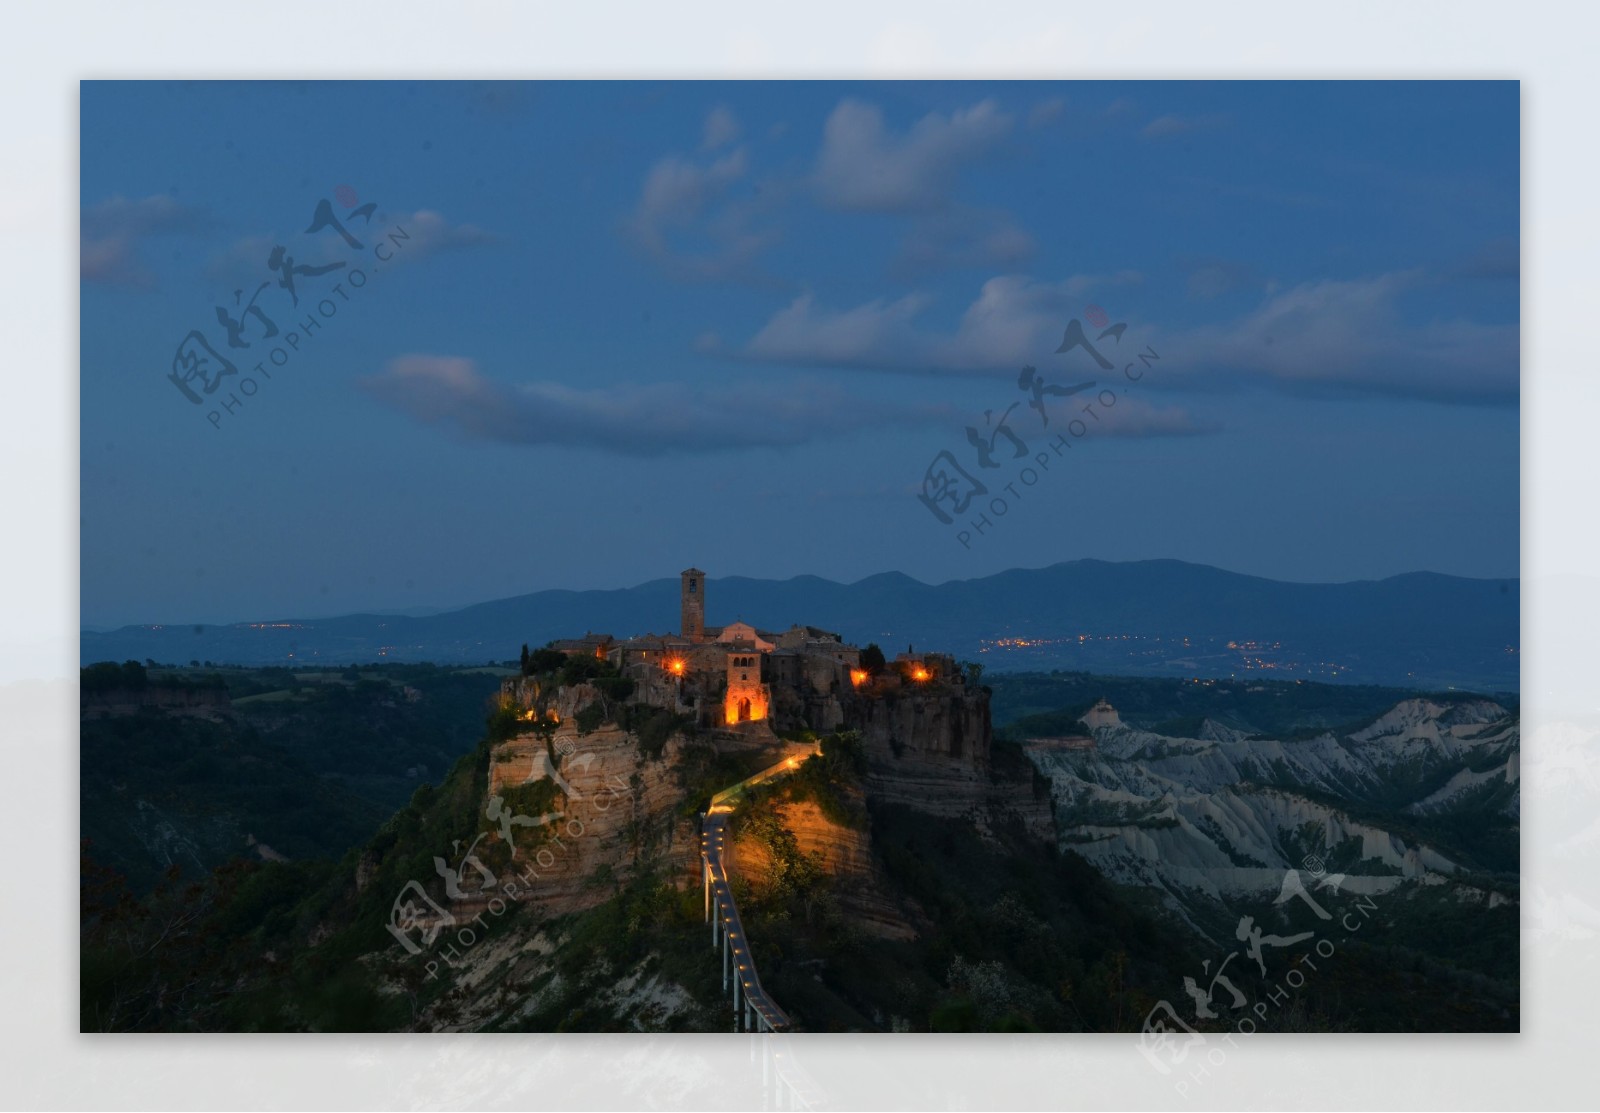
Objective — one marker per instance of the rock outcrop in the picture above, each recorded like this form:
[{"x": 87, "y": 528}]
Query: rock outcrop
[
  {"x": 927, "y": 749},
  {"x": 607, "y": 811},
  {"x": 613, "y": 811},
  {"x": 845, "y": 855}
]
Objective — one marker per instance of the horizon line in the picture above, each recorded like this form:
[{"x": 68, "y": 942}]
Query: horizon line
[{"x": 436, "y": 611}]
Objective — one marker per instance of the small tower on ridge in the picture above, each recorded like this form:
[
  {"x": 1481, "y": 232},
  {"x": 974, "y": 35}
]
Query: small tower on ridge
[{"x": 694, "y": 605}]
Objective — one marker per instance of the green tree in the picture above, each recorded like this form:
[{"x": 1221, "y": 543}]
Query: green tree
[
  {"x": 106, "y": 676},
  {"x": 872, "y": 659},
  {"x": 545, "y": 660}
]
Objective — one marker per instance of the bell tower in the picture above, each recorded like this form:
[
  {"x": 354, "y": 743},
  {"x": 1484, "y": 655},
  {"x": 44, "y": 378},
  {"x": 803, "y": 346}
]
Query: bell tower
[
  {"x": 693, "y": 594},
  {"x": 747, "y": 699}
]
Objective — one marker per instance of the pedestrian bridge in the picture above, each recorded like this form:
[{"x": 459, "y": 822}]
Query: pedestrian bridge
[{"x": 753, "y": 1010}]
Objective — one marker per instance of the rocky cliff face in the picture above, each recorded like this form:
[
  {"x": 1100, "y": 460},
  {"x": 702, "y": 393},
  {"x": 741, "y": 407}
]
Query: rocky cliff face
[
  {"x": 845, "y": 855},
  {"x": 806, "y": 706},
  {"x": 611, "y": 811},
  {"x": 933, "y": 750},
  {"x": 587, "y": 811},
  {"x": 927, "y": 749},
  {"x": 521, "y": 691},
  {"x": 608, "y": 811}
]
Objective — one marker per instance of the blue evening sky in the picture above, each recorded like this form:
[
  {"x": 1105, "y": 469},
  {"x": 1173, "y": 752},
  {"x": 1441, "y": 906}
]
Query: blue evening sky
[{"x": 623, "y": 328}]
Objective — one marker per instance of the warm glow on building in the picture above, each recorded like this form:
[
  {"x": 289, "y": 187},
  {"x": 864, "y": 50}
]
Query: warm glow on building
[
  {"x": 858, "y": 677},
  {"x": 675, "y": 666},
  {"x": 745, "y": 709},
  {"x": 919, "y": 673}
]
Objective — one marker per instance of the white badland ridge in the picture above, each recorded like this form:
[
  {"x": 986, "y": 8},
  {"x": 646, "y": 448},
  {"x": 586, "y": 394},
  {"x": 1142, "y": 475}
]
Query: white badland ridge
[{"x": 1195, "y": 816}]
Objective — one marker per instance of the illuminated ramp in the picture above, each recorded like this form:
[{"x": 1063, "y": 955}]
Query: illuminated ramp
[{"x": 753, "y": 1010}]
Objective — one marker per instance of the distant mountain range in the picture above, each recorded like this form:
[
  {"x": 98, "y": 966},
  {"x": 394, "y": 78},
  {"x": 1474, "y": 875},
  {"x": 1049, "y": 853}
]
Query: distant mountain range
[{"x": 1152, "y": 618}]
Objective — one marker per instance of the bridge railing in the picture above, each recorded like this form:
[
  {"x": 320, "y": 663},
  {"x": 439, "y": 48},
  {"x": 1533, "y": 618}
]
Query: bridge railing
[
  {"x": 788, "y": 764},
  {"x": 753, "y": 1009}
]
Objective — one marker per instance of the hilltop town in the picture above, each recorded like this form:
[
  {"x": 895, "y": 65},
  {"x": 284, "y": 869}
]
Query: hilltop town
[
  {"x": 923, "y": 718},
  {"x": 760, "y": 681},
  {"x": 655, "y": 713}
]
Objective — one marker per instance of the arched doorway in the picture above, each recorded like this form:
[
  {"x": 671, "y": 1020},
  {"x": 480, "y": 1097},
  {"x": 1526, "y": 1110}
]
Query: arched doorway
[{"x": 744, "y": 710}]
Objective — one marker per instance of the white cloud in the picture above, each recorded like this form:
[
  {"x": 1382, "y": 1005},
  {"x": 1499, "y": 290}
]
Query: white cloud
[
  {"x": 1164, "y": 126},
  {"x": 1351, "y": 336},
  {"x": 112, "y": 232},
  {"x": 677, "y": 190},
  {"x": 1137, "y": 417},
  {"x": 629, "y": 419},
  {"x": 1046, "y": 112},
  {"x": 112, "y": 261},
  {"x": 804, "y": 332},
  {"x": 864, "y": 166},
  {"x": 1013, "y": 321},
  {"x": 1329, "y": 336},
  {"x": 962, "y": 237},
  {"x": 429, "y": 231},
  {"x": 706, "y": 217},
  {"x": 688, "y": 223},
  {"x": 721, "y": 128}
]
